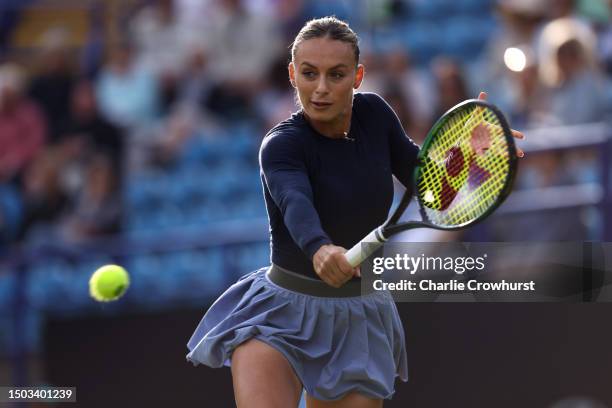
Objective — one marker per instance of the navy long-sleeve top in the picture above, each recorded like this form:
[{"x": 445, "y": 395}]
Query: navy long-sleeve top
[{"x": 320, "y": 190}]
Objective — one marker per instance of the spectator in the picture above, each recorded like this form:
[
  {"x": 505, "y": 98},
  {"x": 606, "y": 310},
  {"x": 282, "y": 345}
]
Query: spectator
[
  {"x": 44, "y": 200},
  {"x": 568, "y": 67},
  {"x": 561, "y": 8},
  {"x": 52, "y": 85},
  {"x": 396, "y": 99},
  {"x": 412, "y": 83},
  {"x": 22, "y": 125},
  {"x": 277, "y": 101},
  {"x": 527, "y": 95},
  {"x": 243, "y": 45},
  {"x": 172, "y": 137},
  {"x": 451, "y": 85},
  {"x": 162, "y": 46},
  {"x": 241, "y": 49},
  {"x": 410, "y": 92},
  {"x": 520, "y": 21},
  {"x": 195, "y": 84},
  {"x": 126, "y": 92},
  {"x": 86, "y": 123},
  {"x": 374, "y": 80},
  {"x": 97, "y": 209}
]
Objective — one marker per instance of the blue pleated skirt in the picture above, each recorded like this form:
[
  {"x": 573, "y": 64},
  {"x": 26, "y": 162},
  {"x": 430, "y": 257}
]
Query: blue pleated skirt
[{"x": 335, "y": 345}]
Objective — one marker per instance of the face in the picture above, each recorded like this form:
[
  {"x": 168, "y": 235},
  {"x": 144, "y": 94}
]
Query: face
[
  {"x": 324, "y": 75},
  {"x": 569, "y": 59}
]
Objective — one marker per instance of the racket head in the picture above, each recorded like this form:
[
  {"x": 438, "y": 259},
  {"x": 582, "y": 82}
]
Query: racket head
[{"x": 466, "y": 166}]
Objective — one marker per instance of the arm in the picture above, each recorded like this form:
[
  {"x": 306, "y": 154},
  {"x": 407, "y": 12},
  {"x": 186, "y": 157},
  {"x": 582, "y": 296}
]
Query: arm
[
  {"x": 403, "y": 151},
  {"x": 283, "y": 163}
]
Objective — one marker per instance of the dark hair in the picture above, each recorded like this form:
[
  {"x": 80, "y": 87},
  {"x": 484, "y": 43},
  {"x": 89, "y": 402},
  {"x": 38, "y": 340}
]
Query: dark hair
[{"x": 327, "y": 27}]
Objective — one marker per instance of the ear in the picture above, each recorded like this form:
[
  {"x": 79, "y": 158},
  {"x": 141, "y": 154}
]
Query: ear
[
  {"x": 291, "y": 69},
  {"x": 359, "y": 76}
]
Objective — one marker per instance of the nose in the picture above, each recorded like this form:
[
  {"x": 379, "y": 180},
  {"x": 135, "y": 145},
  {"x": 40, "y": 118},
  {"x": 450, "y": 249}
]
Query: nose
[{"x": 321, "y": 85}]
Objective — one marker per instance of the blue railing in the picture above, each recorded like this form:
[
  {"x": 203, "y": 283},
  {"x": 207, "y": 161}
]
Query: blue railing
[{"x": 591, "y": 190}]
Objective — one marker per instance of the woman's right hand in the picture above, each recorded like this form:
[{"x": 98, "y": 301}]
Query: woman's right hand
[{"x": 332, "y": 267}]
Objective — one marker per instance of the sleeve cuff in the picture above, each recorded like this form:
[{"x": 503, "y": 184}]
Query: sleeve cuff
[{"x": 312, "y": 247}]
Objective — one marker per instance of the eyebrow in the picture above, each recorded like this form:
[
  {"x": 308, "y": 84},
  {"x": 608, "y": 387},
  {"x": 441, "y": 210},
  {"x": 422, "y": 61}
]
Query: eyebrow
[{"x": 334, "y": 67}]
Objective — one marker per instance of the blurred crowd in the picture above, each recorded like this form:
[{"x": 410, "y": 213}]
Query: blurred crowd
[{"x": 76, "y": 122}]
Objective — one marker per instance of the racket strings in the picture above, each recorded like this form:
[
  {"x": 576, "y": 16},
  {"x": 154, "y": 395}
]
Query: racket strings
[
  {"x": 433, "y": 186},
  {"x": 490, "y": 171},
  {"x": 486, "y": 178},
  {"x": 466, "y": 167}
]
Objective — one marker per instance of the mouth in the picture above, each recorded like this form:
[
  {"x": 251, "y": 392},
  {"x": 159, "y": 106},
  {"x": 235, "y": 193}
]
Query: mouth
[{"x": 320, "y": 105}]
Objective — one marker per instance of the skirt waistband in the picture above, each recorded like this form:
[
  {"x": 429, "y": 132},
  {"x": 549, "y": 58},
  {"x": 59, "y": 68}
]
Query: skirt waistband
[{"x": 313, "y": 287}]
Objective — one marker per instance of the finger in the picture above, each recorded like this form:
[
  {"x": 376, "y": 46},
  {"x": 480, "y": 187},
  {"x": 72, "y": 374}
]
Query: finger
[
  {"x": 517, "y": 134},
  {"x": 347, "y": 270},
  {"x": 344, "y": 269},
  {"x": 346, "y": 274},
  {"x": 348, "y": 277},
  {"x": 358, "y": 272},
  {"x": 520, "y": 152},
  {"x": 477, "y": 113},
  {"x": 332, "y": 280},
  {"x": 334, "y": 273},
  {"x": 329, "y": 278}
]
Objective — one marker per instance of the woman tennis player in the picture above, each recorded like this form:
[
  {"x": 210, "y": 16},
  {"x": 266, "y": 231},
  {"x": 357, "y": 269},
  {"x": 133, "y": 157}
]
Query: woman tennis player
[{"x": 327, "y": 175}]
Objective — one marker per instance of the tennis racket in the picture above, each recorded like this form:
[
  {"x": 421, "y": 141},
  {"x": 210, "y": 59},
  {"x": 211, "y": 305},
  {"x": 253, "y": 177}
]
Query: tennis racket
[{"x": 464, "y": 171}]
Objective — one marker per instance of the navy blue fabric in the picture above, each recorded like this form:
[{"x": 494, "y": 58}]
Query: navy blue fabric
[
  {"x": 335, "y": 345},
  {"x": 320, "y": 190}
]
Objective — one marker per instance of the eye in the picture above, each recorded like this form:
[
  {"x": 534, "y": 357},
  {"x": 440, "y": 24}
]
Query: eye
[
  {"x": 337, "y": 75},
  {"x": 308, "y": 74}
]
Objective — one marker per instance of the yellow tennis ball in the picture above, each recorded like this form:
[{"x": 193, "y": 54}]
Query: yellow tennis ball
[{"x": 108, "y": 283}]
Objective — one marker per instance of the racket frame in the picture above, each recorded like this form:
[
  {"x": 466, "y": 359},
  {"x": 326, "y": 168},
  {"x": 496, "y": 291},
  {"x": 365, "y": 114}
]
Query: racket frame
[
  {"x": 381, "y": 234},
  {"x": 508, "y": 183}
]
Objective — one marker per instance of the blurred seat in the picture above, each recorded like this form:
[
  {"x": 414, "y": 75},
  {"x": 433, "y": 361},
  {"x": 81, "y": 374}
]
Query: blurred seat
[
  {"x": 49, "y": 285},
  {"x": 251, "y": 257},
  {"x": 431, "y": 9},
  {"x": 320, "y": 8},
  {"x": 474, "y": 7},
  {"x": 387, "y": 38},
  {"x": 200, "y": 274},
  {"x": 464, "y": 37},
  {"x": 421, "y": 40}
]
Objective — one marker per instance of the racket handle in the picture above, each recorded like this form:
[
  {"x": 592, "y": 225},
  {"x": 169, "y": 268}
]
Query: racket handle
[{"x": 359, "y": 253}]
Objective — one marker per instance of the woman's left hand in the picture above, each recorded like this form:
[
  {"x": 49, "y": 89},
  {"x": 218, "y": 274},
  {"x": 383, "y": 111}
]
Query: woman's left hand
[{"x": 515, "y": 133}]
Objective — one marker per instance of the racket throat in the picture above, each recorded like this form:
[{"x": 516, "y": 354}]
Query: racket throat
[
  {"x": 378, "y": 235},
  {"x": 390, "y": 230}
]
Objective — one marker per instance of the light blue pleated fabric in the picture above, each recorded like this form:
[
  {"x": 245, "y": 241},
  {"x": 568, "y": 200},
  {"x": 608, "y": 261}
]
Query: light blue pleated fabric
[{"x": 335, "y": 345}]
